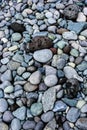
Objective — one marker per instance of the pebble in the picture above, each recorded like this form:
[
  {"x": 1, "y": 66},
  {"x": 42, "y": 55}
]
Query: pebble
[
  {"x": 16, "y": 37},
  {"x": 49, "y": 70},
  {"x": 51, "y": 125},
  {"x": 18, "y": 58},
  {"x": 7, "y": 116},
  {"x": 2, "y": 34},
  {"x": 6, "y": 76},
  {"x": 85, "y": 11},
  {"x": 50, "y": 80},
  {"x": 48, "y": 99},
  {"x": 61, "y": 63},
  {"x": 82, "y": 66},
  {"x": 43, "y": 55},
  {"x": 20, "y": 113},
  {"x": 48, "y": 14},
  {"x": 59, "y": 106},
  {"x": 51, "y": 20},
  {"x": 12, "y": 65},
  {"x": 4, "y": 61},
  {"x": 20, "y": 70},
  {"x": 3, "y": 105},
  {"x": 84, "y": 108},
  {"x": 35, "y": 78},
  {"x": 9, "y": 89},
  {"x": 3, "y": 126},
  {"x": 73, "y": 114},
  {"x": 28, "y": 87},
  {"x": 13, "y": 48},
  {"x": 36, "y": 109},
  {"x": 74, "y": 52},
  {"x": 73, "y": 74},
  {"x": 1, "y": 93},
  {"x": 29, "y": 125},
  {"x": 70, "y": 102},
  {"x": 84, "y": 33},
  {"x": 70, "y": 35},
  {"x": 39, "y": 125},
  {"x": 82, "y": 123},
  {"x": 81, "y": 17},
  {"x": 15, "y": 124},
  {"x": 80, "y": 103},
  {"x": 48, "y": 116}
]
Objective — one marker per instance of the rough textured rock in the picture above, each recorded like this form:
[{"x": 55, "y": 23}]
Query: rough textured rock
[
  {"x": 17, "y": 27},
  {"x": 39, "y": 42},
  {"x": 48, "y": 99},
  {"x": 71, "y": 11}
]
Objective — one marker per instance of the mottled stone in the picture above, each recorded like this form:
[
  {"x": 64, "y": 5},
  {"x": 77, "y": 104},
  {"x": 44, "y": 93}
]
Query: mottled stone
[
  {"x": 61, "y": 63},
  {"x": 51, "y": 125},
  {"x": 82, "y": 123},
  {"x": 48, "y": 99},
  {"x": 3, "y": 126},
  {"x": 70, "y": 35},
  {"x": 12, "y": 65},
  {"x": 59, "y": 106},
  {"x": 28, "y": 87}
]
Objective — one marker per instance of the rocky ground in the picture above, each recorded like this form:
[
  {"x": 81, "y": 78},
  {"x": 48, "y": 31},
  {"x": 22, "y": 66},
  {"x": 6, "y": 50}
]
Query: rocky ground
[{"x": 43, "y": 65}]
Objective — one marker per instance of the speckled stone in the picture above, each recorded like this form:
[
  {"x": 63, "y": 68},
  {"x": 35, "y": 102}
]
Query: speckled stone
[
  {"x": 3, "y": 126},
  {"x": 82, "y": 123}
]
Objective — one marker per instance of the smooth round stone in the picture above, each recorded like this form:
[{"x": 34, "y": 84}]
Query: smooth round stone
[
  {"x": 7, "y": 116},
  {"x": 51, "y": 80},
  {"x": 49, "y": 70},
  {"x": 59, "y": 5},
  {"x": 51, "y": 21},
  {"x": 13, "y": 48},
  {"x": 13, "y": 65},
  {"x": 39, "y": 125},
  {"x": 59, "y": 106},
  {"x": 6, "y": 76},
  {"x": 35, "y": 77},
  {"x": 52, "y": 29},
  {"x": 48, "y": 14},
  {"x": 2, "y": 34},
  {"x": 70, "y": 35},
  {"x": 61, "y": 63},
  {"x": 84, "y": 109},
  {"x": 20, "y": 70},
  {"x": 60, "y": 94},
  {"x": 78, "y": 60},
  {"x": 4, "y": 61},
  {"x": 26, "y": 75},
  {"x": 61, "y": 44},
  {"x": 83, "y": 43},
  {"x": 84, "y": 33},
  {"x": 82, "y": 38},
  {"x": 28, "y": 87},
  {"x": 74, "y": 52},
  {"x": 29, "y": 125},
  {"x": 48, "y": 116},
  {"x": 80, "y": 104},
  {"x": 43, "y": 55},
  {"x": 20, "y": 113},
  {"x": 9, "y": 89},
  {"x": 81, "y": 17},
  {"x": 36, "y": 109},
  {"x": 16, "y": 37},
  {"x": 15, "y": 124},
  {"x": 3, "y": 126},
  {"x": 73, "y": 114},
  {"x": 3, "y": 105}
]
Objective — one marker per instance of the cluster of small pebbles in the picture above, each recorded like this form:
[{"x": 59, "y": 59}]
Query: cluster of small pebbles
[{"x": 43, "y": 64}]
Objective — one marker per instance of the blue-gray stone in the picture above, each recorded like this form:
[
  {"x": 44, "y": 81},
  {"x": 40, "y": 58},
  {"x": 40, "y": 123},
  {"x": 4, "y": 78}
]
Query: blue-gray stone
[
  {"x": 1, "y": 93},
  {"x": 82, "y": 66},
  {"x": 76, "y": 26},
  {"x": 60, "y": 73},
  {"x": 70, "y": 102},
  {"x": 59, "y": 106}
]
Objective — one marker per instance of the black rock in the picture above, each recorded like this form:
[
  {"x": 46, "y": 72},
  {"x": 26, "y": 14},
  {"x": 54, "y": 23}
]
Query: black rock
[{"x": 16, "y": 27}]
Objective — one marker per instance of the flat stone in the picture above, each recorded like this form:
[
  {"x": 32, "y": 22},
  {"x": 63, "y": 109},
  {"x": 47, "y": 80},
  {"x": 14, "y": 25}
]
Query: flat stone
[
  {"x": 20, "y": 70},
  {"x": 70, "y": 102},
  {"x": 82, "y": 123},
  {"x": 12, "y": 65},
  {"x": 3, "y": 105},
  {"x": 82, "y": 66},
  {"x": 20, "y": 113},
  {"x": 48, "y": 116},
  {"x": 28, "y": 87},
  {"x": 48, "y": 99},
  {"x": 51, "y": 20},
  {"x": 84, "y": 108},
  {"x": 4, "y": 61},
  {"x": 3, "y": 126},
  {"x": 71, "y": 73},
  {"x": 29, "y": 125},
  {"x": 39, "y": 125},
  {"x": 59, "y": 106},
  {"x": 15, "y": 124},
  {"x": 51, "y": 125},
  {"x": 76, "y": 26},
  {"x": 7, "y": 116},
  {"x": 18, "y": 58},
  {"x": 13, "y": 48},
  {"x": 16, "y": 37},
  {"x": 80, "y": 104},
  {"x": 51, "y": 80},
  {"x": 43, "y": 56},
  {"x": 36, "y": 109},
  {"x": 70, "y": 35},
  {"x": 50, "y": 70},
  {"x": 9, "y": 89},
  {"x": 35, "y": 78},
  {"x": 73, "y": 114},
  {"x": 6, "y": 76}
]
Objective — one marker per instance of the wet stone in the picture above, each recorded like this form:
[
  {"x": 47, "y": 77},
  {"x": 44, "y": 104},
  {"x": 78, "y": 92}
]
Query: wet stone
[
  {"x": 16, "y": 27},
  {"x": 71, "y": 9},
  {"x": 39, "y": 42}
]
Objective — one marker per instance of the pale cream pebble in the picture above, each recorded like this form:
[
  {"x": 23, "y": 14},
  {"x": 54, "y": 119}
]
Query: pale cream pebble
[
  {"x": 5, "y": 49},
  {"x": 80, "y": 103},
  {"x": 85, "y": 11},
  {"x": 67, "y": 109},
  {"x": 82, "y": 38},
  {"x": 81, "y": 17},
  {"x": 71, "y": 125},
  {"x": 59, "y": 51},
  {"x": 4, "y": 40},
  {"x": 13, "y": 48},
  {"x": 71, "y": 64}
]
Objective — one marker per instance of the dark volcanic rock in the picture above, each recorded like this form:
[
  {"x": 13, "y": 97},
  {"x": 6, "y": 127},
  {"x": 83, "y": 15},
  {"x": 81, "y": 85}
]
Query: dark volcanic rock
[
  {"x": 71, "y": 11},
  {"x": 17, "y": 27},
  {"x": 39, "y": 42},
  {"x": 72, "y": 88}
]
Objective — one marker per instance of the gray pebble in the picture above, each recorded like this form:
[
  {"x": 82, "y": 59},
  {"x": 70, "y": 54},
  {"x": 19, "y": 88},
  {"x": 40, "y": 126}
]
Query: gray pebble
[
  {"x": 59, "y": 106},
  {"x": 15, "y": 124},
  {"x": 7, "y": 116},
  {"x": 29, "y": 125},
  {"x": 3, "y": 105}
]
